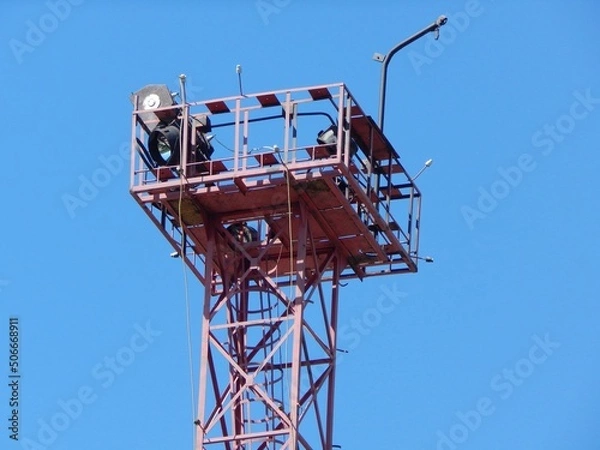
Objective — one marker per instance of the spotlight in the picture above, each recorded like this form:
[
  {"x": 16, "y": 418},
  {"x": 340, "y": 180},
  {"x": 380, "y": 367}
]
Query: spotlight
[
  {"x": 243, "y": 233},
  {"x": 329, "y": 137},
  {"x": 165, "y": 141},
  {"x": 164, "y": 144}
]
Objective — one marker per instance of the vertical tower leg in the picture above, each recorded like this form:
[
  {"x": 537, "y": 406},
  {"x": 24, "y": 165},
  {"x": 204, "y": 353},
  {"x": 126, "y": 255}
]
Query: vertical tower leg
[
  {"x": 335, "y": 292},
  {"x": 298, "y": 310}
]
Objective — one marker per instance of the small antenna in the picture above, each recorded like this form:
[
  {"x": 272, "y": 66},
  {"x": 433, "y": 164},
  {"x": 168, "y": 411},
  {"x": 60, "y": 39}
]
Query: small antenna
[
  {"x": 238, "y": 70},
  {"x": 182, "y": 92}
]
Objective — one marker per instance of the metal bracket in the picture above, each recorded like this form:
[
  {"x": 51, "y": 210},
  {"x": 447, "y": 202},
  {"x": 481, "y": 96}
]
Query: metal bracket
[{"x": 378, "y": 57}]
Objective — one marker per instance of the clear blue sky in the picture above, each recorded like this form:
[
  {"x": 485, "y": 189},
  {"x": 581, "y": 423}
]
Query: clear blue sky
[{"x": 507, "y": 103}]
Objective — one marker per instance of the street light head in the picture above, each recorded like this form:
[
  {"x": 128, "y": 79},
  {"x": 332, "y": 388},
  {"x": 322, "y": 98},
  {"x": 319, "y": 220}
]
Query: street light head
[{"x": 442, "y": 20}]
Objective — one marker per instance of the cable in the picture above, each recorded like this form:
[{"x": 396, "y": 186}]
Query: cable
[
  {"x": 289, "y": 201},
  {"x": 290, "y": 295},
  {"x": 221, "y": 144},
  {"x": 183, "y": 256},
  {"x": 188, "y": 325}
]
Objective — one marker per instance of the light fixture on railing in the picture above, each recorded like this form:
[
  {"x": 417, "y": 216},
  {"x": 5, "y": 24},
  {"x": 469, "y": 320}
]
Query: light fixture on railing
[
  {"x": 427, "y": 259},
  {"x": 165, "y": 147},
  {"x": 328, "y": 137},
  {"x": 428, "y": 164},
  {"x": 164, "y": 141}
]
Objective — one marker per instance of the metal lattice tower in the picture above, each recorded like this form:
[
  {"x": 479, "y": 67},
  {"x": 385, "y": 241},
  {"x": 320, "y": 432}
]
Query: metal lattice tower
[{"x": 303, "y": 192}]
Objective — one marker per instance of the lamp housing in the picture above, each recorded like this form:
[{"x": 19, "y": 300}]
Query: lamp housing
[
  {"x": 164, "y": 143},
  {"x": 329, "y": 137}
]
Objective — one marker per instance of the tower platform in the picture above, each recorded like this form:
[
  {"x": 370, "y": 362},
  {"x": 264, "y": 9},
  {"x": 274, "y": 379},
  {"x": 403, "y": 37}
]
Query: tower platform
[{"x": 276, "y": 153}]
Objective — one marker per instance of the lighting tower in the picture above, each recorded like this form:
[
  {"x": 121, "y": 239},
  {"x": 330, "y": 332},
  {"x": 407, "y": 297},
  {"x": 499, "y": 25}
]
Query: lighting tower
[
  {"x": 271, "y": 231},
  {"x": 305, "y": 191}
]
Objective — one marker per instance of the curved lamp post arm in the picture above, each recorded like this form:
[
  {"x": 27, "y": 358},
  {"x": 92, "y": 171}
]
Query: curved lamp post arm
[{"x": 385, "y": 59}]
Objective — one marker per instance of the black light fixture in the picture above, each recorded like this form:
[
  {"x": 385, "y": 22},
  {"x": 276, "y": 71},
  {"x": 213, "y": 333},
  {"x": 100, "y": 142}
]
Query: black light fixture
[
  {"x": 329, "y": 137},
  {"x": 243, "y": 233},
  {"x": 164, "y": 145},
  {"x": 164, "y": 141}
]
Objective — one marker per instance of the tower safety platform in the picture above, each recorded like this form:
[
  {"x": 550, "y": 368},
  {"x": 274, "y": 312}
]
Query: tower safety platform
[{"x": 272, "y": 200}]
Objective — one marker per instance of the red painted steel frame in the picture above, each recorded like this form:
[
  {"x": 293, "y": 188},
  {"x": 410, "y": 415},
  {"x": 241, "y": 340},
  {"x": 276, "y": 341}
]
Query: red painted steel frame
[
  {"x": 267, "y": 378},
  {"x": 321, "y": 213}
]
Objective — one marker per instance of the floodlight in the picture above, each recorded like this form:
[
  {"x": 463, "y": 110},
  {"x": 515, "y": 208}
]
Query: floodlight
[
  {"x": 243, "y": 233},
  {"x": 164, "y": 143},
  {"x": 165, "y": 139},
  {"x": 329, "y": 137}
]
